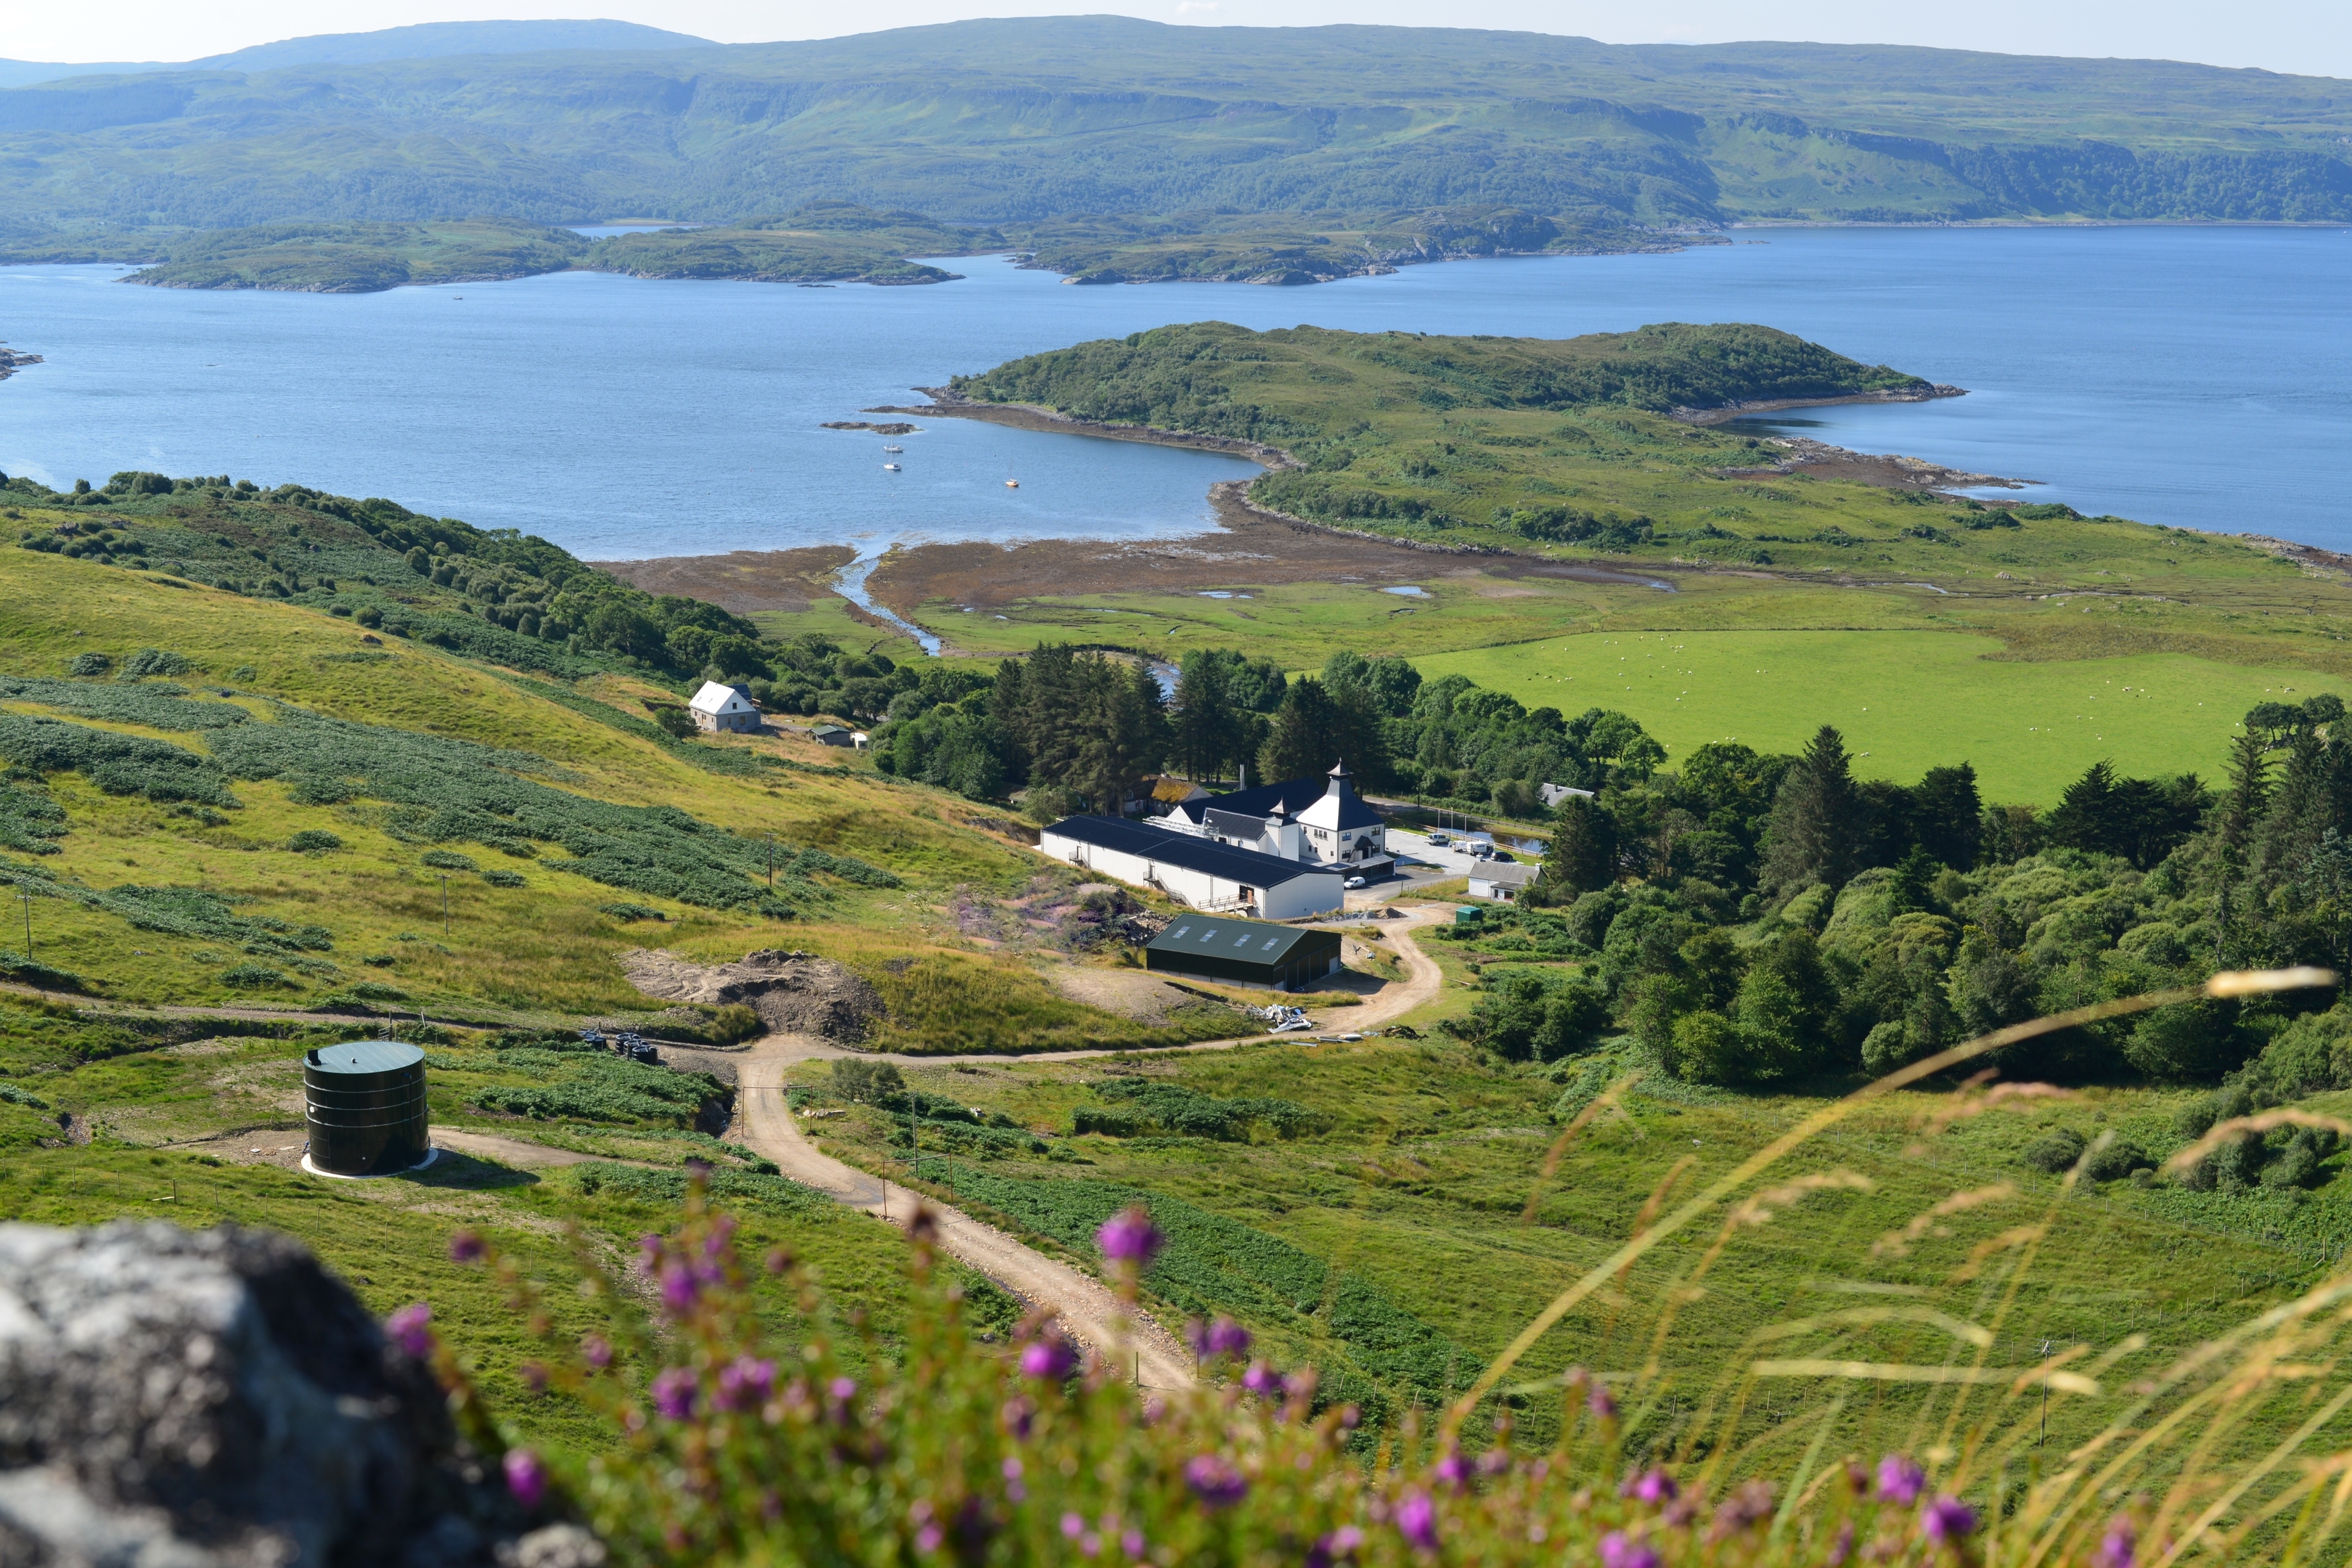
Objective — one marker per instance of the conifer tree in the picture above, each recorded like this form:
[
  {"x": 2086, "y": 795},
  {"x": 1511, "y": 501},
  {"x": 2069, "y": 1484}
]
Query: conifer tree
[
  {"x": 1305, "y": 738},
  {"x": 1203, "y": 736},
  {"x": 1582, "y": 854},
  {"x": 1816, "y": 819}
]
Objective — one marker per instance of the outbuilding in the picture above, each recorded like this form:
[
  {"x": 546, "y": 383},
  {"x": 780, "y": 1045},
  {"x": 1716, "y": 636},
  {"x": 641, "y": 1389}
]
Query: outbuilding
[
  {"x": 1502, "y": 882},
  {"x": 716, "y": 707},
  {"x": 1249, "y": 952},
  {"x": 1205, "y": 875}
]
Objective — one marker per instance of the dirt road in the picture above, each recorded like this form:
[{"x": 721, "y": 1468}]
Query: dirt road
[{"x": 1086, "y": 1307}]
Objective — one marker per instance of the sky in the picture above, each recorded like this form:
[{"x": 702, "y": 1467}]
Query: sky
[{"x": 2305, "y": 36}]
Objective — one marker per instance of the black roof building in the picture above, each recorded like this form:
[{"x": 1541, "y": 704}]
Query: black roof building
[
  {"x": 1201, "y": 855},
  {"x": 1219, "y": 947},
  {"x": 1293, "y": 797}
]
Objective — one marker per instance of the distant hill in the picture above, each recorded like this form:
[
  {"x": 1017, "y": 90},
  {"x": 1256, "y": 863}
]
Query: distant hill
[
  {"x": 1019, "y": 120},
  {"x": 427, "y": 40}
]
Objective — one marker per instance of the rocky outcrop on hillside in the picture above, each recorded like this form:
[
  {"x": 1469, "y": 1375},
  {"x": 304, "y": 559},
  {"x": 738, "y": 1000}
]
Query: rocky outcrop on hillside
[
  {"x": 171, "y": 1399},
  {"x": 793, "y": 993}
]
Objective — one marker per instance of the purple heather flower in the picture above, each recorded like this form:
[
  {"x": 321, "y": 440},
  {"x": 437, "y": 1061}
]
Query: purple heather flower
[
  {"x": 1072, "y": 1526},
  {"x": 842, "y": 1389},
  {"x": 1842, "y": 1549},
  {"x": 1090, "y": 1544},
  {"x": 1015, "y": 1487},
  {"x": 533, "y": 1376},
  {"x": 930, "y": 1538},
  {"x": 1263, "y": 1379},
  {"x": 1899, "y": 1480},
  {"x": 1416, "y": 1521},
  {"x": 679, "y": 1289},
  {"x": 1131, "y": 1541},
  {"x": 2119, "y": 1547},
  {"x": 1222, "y": 1337},
  {"x": 673, "y": 1392},
  {"x": 696, "y": 1170},
  {"x": 465, "y": 1247},
  {"x": 1129, "y": 1237},
  {"x": 1600, "y": 1402},
  {"x": 525, "y": 1477},
  {"x": 1617, "y": 1551},
  {"x": 743, "y": 1383},
  {"x": 1214, "y": 1480},
  {"x": 1750, "y": 1506},
  {"x": 1017, "y": 1415},
  {"x": 650, "y": 1247},
  {"x": 1654, "y": 1487},
  {"x": 1050, "y": 1359},
  {"x": 596, "y": 1351},
  {"x": 410, "y": 1328},
  {"x": 1949, "y": 1520},
  {"x": 1453, "y": 1470}
]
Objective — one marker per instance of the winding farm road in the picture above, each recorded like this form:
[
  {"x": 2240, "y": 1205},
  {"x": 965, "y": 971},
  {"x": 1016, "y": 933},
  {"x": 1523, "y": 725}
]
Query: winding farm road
[{"x": 1088, "y": 1310}]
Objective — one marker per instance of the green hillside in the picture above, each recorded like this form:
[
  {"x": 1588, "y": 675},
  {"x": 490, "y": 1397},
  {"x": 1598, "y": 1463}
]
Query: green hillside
[{"x": 1030, "y": 119}]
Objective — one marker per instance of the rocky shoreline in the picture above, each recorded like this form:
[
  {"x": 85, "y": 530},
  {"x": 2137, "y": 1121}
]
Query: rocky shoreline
[
  {"x": 11, "y": 361},
  {"x": 1806, "y": 455},
  {"x": 947, "y": 402},
  {"x": 1724, "y": 412}
]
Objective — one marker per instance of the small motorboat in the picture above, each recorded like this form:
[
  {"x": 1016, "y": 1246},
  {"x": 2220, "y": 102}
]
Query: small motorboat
[
  {"x": 890, "y": 448},
  {"x": 1013, "y": 484},
  {"x": 889, "y": 467}
]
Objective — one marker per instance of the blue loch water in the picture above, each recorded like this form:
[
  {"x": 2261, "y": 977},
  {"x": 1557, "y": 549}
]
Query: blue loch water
[{"x": 2194, "y": 376}]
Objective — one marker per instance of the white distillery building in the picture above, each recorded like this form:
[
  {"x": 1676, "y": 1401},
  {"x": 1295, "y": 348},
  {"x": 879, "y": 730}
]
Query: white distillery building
[
  {"x": 717, "y": 707},
  {"x": 1203, "y": 873},
  {"x": 1318, "y": 821}
]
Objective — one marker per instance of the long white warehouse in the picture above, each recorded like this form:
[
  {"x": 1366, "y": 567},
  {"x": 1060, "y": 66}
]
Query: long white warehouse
[{"x": 1205, "y": 875}]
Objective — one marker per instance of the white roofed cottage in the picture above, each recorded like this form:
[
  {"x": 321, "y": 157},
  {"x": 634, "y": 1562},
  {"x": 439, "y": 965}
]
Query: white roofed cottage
[{"x": 717, "y": 708}]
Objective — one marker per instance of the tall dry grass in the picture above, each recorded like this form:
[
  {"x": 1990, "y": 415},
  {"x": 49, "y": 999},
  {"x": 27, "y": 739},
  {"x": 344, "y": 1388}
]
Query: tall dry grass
[{"x": 731, "y": 1448}]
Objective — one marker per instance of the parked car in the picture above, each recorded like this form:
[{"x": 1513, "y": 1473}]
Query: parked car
[
  {"x": 1438, "y": 839},
  {"x": 1353, "y": 883},
  {"x": 1502, "y": 855}
]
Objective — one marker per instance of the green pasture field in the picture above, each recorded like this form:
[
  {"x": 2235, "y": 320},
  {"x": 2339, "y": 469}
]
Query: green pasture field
[
  {"x": 1419, "y": 1176},
  {"x": 1905, "y": 701}
]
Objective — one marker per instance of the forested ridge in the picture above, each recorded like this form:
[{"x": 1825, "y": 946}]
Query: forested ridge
[{"x": 1021, "y": 121}]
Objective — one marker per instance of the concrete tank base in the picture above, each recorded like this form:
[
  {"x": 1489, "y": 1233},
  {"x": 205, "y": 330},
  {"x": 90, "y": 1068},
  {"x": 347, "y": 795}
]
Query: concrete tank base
[{"x": 430, "y": 1155}]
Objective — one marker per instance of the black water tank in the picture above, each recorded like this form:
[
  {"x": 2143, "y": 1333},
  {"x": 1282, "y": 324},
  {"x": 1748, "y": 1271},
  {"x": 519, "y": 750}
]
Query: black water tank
[{"x": 366, "y": 1104}]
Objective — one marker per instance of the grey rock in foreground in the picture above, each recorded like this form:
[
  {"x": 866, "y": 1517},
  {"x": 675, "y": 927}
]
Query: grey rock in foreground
[{"x": 170, "y": 1399}]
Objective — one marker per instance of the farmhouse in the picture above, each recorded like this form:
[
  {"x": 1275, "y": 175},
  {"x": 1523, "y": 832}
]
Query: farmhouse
[
  {"x": 1202, "y": 873},
  {"x": 717, "y": 708},
  {"x": 1219, "y": 947},
  {"x": 1502, "y": 882},
  {"x": 1320, "y": 820}
]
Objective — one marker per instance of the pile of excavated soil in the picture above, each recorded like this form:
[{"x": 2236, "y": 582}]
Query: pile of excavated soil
[{"x": 793, "y": 993}]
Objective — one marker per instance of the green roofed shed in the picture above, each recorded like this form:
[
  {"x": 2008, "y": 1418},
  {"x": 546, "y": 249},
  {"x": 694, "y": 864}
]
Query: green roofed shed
[{"x": 1253, "y": 953}]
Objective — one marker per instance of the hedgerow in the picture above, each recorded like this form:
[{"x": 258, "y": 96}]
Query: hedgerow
[
  {"x": 590, "y": 1086},
  {"x": 29, "y": 821},
  {"x": 161, "y": 705},
  {"x": 119, "y": 764},
  {"x": 176, "y": 911},
  {"x": 1194, "y": 1114},
  {"x": 667, "y": 1189}
]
